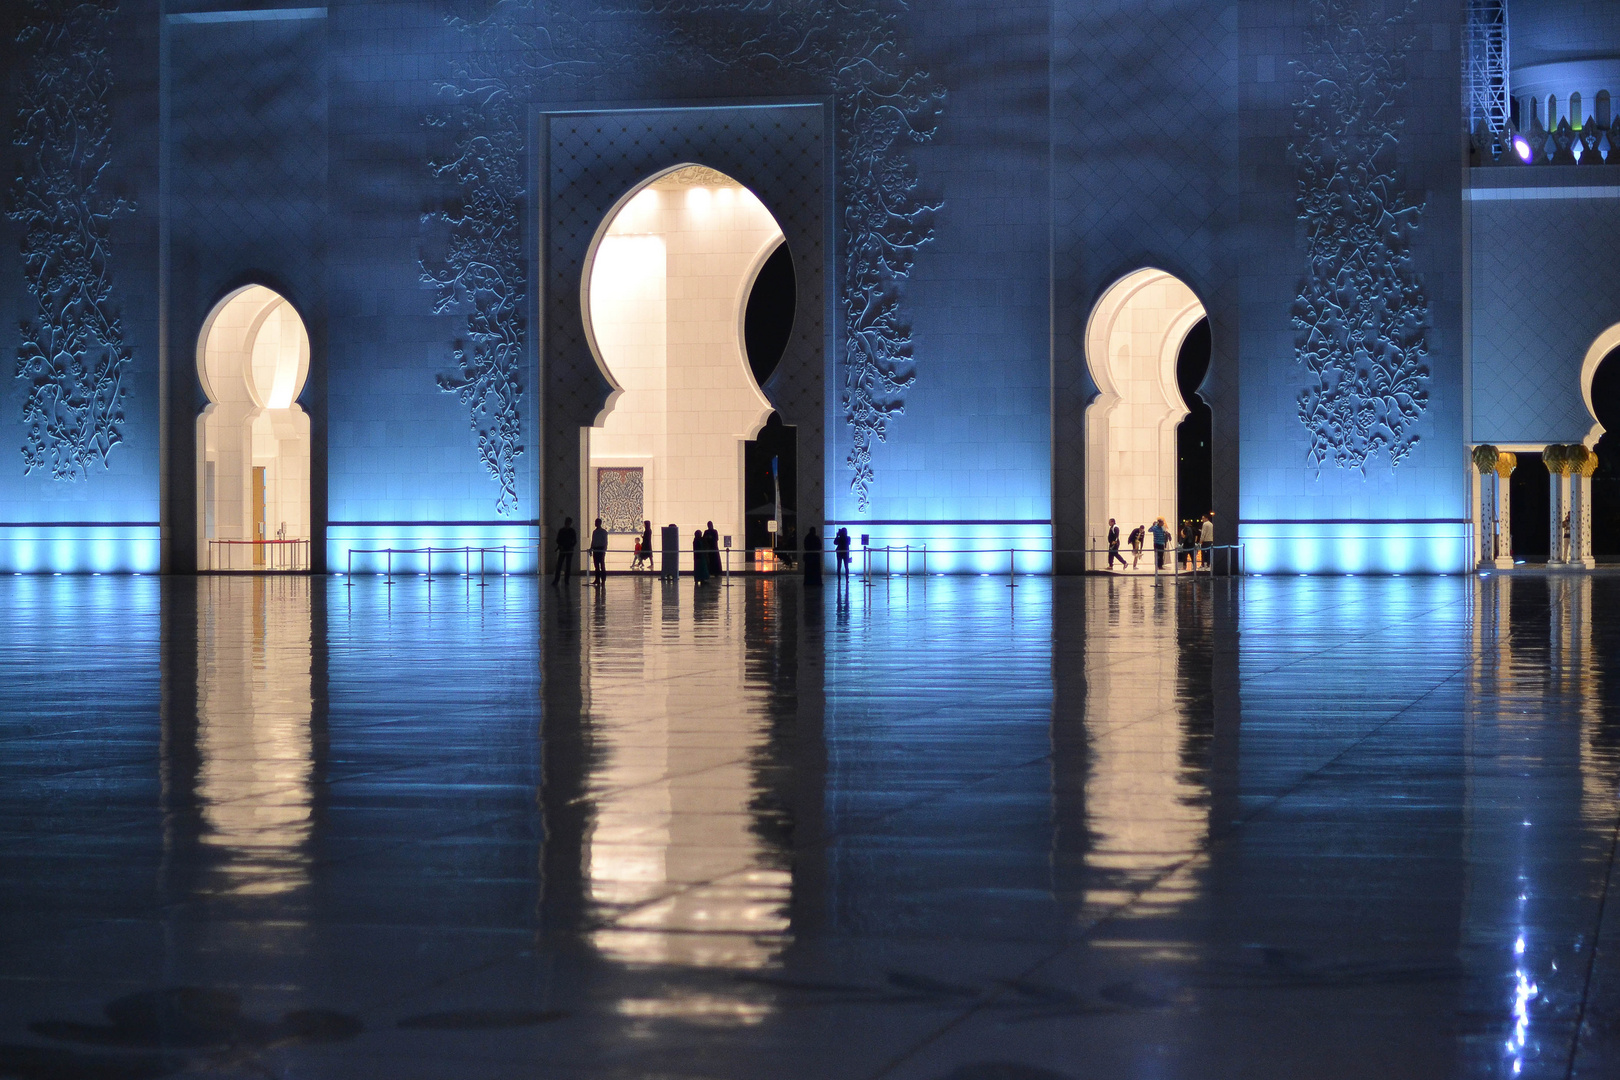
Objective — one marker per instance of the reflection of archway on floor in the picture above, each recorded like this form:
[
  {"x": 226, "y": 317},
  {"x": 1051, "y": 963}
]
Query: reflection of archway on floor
[
  {"x": 1600, "y": 386},
  {"x": 666, "y": 287},
  {"x": 253, "y": 439},
  {"x": 1133, "y": 342}
]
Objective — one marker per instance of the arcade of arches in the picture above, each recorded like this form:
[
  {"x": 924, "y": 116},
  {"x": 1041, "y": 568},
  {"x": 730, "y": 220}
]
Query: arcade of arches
[{"x": 1535, "y": 506}]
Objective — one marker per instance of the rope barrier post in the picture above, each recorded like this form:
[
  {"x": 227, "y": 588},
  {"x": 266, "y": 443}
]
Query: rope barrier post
[
  {"x": 505, "y": 570},
  {"x": 1012, "y": 566},
  {"x": 389, "y": 578},
  {"x": 348, "y": 576},
  {"x": 925, "y": 561},
  {"x": 481, "y": 583}
]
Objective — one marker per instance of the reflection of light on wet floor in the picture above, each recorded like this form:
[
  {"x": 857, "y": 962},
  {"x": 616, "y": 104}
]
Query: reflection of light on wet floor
[
  {"x": 674, "y": 862},
  {"x": 698, "y": 1008},
  {"x": 253, "y": 730},
  {"x": 1142, "y": 809}
]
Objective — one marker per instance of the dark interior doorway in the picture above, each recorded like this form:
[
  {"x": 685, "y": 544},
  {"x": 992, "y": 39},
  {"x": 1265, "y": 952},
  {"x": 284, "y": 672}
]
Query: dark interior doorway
[
  {"x": 768, "y": 319},
  {"x": 767, "y": 326},
  {"x": 1195, "y": 461},
  {"x": 1531, "y": 501},
  {"x": 1606, "y": 481},
  {"x": 781, "y": 442}
]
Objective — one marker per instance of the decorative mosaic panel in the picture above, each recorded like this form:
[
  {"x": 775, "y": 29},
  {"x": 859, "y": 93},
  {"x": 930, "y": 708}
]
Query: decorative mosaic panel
[{"x": 619, "y": 499}]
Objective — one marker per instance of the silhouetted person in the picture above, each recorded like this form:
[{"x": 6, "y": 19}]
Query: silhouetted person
[
  {"x": 567, "y": 541},
  {"x": 599, "y": 542},
  {"x": 700, "y": 558},
  {"x": 1138, "y": 536},
  {"x": 1161, "y": 538},
  {"x": 1206, "y": 536},
  {"x": 812, "y": 556},
  {"x": 1113, "y": 545},
  {"x": 646, "y": 542},
  {"x": 841, "y": 550},
  {"x": 711, "y": 540}
]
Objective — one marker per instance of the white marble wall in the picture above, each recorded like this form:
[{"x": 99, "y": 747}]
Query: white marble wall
[{"x": 667, "y": 291}]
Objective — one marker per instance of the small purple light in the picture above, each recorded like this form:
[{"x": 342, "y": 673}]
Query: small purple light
[{"x": 1522, "y": 148}]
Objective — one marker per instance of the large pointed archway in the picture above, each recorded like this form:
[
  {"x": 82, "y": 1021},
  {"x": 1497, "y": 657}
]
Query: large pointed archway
[
  {"x": 253, "y": 439},
  {"x": 1133, "y": 341},
  {"x": 665, "y": 292}
]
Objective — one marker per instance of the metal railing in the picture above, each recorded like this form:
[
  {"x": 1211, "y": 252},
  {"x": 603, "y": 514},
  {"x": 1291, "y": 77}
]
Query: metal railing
[
  {"x": 1214, "y": 560},
  {"x": 282, "y": 556},
  {"x": 466, "y": 553}
]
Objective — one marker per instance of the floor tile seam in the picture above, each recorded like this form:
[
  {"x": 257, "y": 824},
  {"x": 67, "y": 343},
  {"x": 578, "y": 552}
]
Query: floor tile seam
[
  {"x": 1592, "y": 956},
  {"x": 826, "y": 839},
  {"x": 1299, "y": 659},
  {"x": 1205, "y": 847}
]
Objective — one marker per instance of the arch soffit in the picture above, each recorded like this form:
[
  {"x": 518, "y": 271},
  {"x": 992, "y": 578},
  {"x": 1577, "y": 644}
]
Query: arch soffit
[
  {"x": 740, "y": 301},
  {"x": 1118, "y": 299},
  {"x": 1602, "y": 346},
  {"x": 275, "y": 301}
]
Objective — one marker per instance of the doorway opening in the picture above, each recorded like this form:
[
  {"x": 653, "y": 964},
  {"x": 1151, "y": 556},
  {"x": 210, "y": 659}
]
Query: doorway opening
[
  {"x": 1530, "y": 496},
  {"x": 1134, "y": 347},
  {"x": 1195, "y": 460},
  {"x": 1604, "y": 397},
  {"x": 688, "y": 298},
  {"x": 253, "y": 510}
]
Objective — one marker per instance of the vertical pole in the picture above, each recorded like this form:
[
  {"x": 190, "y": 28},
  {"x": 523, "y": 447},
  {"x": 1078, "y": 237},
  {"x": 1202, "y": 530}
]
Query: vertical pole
[
  {"x": 389, "y": 579},
  {"x": 1012, "y": 566}
]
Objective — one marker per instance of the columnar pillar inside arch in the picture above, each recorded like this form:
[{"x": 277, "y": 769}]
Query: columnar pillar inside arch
[
  {"x": 1558, "y": 518},
  {"x": 1580, "y": 553},
  {"x": 1504, "y": 516}
]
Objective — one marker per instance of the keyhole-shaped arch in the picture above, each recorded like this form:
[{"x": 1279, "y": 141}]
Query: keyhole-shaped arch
[
  {"x": 1133, "y": 339},
  {"x": 253, "y": 445},
  {"x": 664, "y": 295}
]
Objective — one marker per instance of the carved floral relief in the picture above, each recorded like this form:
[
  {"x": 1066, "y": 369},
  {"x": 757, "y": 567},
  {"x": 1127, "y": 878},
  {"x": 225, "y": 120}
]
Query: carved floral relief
[
  {"x": 522, "y": 51},
  {"x": 1361, "y": 316},
  {"x": 72, "y": 358}
]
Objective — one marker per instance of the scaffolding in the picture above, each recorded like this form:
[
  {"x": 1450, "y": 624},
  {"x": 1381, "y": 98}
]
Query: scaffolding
[{"x": 1485, "y": 74}]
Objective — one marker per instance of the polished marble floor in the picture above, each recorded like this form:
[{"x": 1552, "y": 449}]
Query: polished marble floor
[{"x": 935, "y": 830}]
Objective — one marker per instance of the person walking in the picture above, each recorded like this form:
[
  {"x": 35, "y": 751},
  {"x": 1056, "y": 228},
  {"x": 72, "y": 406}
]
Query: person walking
[
  {"x": 1161, "y": 539},
  {"x": 567, "y": 541},
  {"x": 841, "y": 550},
  {"x": 646, "y": 543},
  {"x": 1113, "y": 545},
  {"x": 599, "y": 542},
  {"x": 700, "y": 558},
  {"x": 1138, "y": 537},
  {"x": 1206, "y": 537},
  {"x": 812, "y": 556},
  {"x": 711, "y": 540}
]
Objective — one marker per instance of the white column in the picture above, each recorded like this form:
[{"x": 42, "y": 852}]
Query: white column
[
  {"x": 1484, "y": 518},
  {"x": 1504, "y": 522},
  {"x": 1580, "y": 541},
  {"x": 1557, "y": 519}
]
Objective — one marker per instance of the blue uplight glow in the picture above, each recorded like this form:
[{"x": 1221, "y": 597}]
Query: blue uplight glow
[
  {"x": 948, "y": 548},
  {"x": 518, "y": 541},
  {"x": 1370, "y": 548},
  {"x": 79, "y": 549}
]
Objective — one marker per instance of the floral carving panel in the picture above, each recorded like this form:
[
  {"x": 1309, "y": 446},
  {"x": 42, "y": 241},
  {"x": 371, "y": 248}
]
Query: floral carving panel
[
  {"x": 1361, "y": 316},
  {"x": 523, "y": 52},
  {"x": 72, "y": 358}
]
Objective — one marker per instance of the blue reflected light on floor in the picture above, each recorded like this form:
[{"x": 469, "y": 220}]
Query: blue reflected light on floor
[{"x": 935, "y": 828}]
